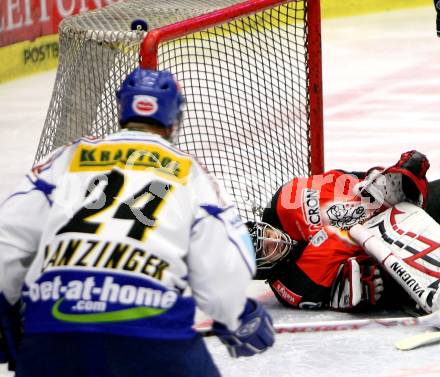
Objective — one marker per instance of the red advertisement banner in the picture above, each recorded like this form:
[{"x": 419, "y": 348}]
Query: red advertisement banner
[{"x": 28, "y": 19}]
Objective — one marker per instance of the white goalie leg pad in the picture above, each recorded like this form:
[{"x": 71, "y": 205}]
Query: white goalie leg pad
[{"x": 406, "y": 241}]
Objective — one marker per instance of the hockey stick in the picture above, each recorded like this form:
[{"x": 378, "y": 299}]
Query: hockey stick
[
  {"x": 430, "y": 320},
  {"x": 419, "y": 340}
]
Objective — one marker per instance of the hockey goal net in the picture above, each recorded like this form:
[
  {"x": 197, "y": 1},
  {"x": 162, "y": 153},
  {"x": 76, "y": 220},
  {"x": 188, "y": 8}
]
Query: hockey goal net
[{"x": 250, "y": 71}]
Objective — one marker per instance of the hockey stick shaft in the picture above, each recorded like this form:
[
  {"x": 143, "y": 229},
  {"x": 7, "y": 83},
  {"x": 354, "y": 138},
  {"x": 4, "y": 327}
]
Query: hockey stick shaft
[
  {"x": 430, "y": 320},
  {"x": 418, "y": 340}
]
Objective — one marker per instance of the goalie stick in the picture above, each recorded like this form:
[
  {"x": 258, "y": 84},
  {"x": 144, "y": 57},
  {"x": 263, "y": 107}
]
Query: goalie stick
[
  {"x": 419, "y": 340},
  {"x": 430, "y": 320}
]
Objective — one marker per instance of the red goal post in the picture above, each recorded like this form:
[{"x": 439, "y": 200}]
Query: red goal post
[
  {"x": 150, "y": 48},
  {"x": 149, "y": 59},
  {"x": 250, "y": 71}
]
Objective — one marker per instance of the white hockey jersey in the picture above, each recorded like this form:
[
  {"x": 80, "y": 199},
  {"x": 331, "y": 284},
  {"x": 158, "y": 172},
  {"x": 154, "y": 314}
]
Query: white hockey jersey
[{"x": 110, "y": 235}]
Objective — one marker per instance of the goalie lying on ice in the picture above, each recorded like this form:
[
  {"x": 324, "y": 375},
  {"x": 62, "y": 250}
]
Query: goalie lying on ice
[{"x": 308, "y": 257}]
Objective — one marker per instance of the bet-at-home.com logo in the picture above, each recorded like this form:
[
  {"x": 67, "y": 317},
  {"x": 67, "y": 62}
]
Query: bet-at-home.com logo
[{"x": 90, "y": 302}]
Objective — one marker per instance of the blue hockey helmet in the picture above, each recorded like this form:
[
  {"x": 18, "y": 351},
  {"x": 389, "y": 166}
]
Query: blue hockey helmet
[{"x": 149, "y": 96}]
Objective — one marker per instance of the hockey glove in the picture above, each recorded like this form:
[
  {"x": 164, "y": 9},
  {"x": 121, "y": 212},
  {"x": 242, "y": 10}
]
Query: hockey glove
[
  {"x": 356, "y": 285},
  {"x": 255, "y": 334},
  {"x": 10, "y": 331},
  {"x": 411, "y": 167}
]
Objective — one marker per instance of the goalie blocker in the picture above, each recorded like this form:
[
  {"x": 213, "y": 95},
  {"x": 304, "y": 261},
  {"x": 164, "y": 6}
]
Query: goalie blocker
[{"x": 406, "y": 241}]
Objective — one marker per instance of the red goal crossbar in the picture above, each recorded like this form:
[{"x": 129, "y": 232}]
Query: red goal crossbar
[{"x": 150, "y": 46}]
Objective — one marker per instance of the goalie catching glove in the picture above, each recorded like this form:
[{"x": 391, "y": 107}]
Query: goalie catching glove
[
  {"x": 404, "y": 181},
  {"x": 255, "y": 334},
  {"x": 356, "y": 284}
]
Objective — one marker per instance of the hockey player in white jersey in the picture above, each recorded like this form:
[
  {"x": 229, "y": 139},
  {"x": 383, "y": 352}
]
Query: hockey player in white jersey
[{"x": 112, "y": 243}]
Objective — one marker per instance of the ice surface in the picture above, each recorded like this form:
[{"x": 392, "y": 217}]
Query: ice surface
[
  {"x": 381, "y": 97},
  {"x": 365, "y": 352}
]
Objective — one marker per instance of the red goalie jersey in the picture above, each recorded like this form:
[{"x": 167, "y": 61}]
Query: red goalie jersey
[{"x": 318, "y": 211}]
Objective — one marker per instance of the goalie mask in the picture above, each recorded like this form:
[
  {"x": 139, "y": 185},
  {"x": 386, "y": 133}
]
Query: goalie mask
[
  {"x": 403, "y": 182},
  {"x": 271, "y": 246}
]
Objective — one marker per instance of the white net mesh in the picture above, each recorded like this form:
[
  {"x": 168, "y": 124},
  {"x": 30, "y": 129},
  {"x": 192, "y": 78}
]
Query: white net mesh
[{"x": 245, "y": 81}]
